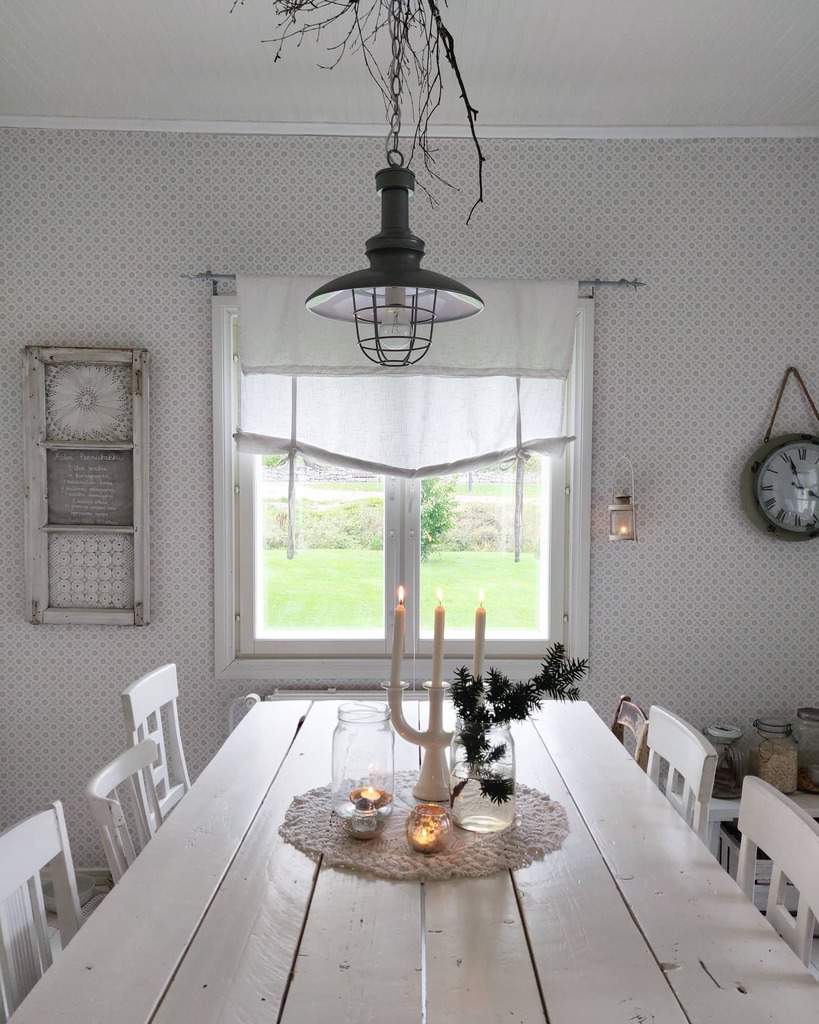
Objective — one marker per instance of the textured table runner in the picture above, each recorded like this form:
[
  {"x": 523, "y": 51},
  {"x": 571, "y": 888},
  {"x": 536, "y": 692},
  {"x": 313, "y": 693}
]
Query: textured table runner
[{"x": 540, "y": 827}]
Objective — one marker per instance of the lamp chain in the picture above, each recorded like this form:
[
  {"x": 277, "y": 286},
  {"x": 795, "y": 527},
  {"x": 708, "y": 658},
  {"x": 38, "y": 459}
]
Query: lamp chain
[{"x": 395, "y": 158}]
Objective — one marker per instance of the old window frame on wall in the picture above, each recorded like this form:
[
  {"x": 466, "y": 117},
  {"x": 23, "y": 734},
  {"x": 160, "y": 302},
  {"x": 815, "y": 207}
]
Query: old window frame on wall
[
  {"x": 240, "y": 655},
  {"x": 41, "y": 526}
]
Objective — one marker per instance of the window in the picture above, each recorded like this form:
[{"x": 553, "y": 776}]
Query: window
[{"x": 306, "y": 588}]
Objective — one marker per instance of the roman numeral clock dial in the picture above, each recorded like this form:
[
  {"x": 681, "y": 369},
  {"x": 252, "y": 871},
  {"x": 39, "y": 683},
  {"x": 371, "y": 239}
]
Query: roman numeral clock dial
[{"x": 781, "y": 487}]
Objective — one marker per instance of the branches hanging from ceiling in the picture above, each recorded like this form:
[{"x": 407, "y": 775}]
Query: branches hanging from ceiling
[{"x": 426, "y": 51}]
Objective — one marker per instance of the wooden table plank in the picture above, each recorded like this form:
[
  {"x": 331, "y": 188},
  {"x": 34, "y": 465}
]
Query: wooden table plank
[
  {"x": 360, "y": 956},
  {"x": 593, "y": 963},
  {"x": 124, "y": 956},
  {"x": 477, "y": 959},
  {"x": 721, "y": 957},
  {"x": 478, "y": 964}
]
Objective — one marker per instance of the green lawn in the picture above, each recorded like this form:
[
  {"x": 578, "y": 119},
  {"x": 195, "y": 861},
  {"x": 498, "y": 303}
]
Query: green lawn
[{"x": 329, "y": 588}]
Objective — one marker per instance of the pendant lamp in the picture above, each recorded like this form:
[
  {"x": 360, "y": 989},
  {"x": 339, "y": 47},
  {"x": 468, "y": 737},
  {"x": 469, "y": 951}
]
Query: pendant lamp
[{"x": 394, "y": 303}]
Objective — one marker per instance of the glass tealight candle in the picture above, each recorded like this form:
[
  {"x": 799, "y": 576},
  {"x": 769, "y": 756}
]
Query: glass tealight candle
[
  {"x": 429, "y": 828},
  {"x": 364, "y": 822}
]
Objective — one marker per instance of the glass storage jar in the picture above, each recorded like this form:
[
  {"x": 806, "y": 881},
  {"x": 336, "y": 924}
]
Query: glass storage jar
[
  {"x": 728, "y": 776},
  {"x": 363, "y": 758},
  {"x": 471, "y": 810},
  {"x": 774, "y": 757},
  {"x": 807, "y": 736}
]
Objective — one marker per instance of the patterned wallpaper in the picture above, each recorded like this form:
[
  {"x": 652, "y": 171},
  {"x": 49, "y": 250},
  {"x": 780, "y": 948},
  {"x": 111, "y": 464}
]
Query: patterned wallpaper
[{"x": 705, "y": 615}]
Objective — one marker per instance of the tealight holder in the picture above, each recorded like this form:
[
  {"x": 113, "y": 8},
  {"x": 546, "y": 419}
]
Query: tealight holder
[
  {"x": 429, "y": 828},
  {"x": 364, "y": 821}
]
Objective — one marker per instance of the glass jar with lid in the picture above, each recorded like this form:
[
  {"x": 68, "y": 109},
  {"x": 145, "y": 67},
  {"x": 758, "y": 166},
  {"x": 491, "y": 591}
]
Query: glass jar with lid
[
  {"x": 774, "y": 757},
  {"x": 807, "y": 735},
  {"x": 363, "y": 758},
  {"x": 729, "y": 773}
]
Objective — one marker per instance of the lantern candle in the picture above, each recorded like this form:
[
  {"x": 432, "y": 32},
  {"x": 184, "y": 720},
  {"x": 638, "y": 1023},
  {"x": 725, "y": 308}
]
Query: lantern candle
[{"x": 428, "y": 828}]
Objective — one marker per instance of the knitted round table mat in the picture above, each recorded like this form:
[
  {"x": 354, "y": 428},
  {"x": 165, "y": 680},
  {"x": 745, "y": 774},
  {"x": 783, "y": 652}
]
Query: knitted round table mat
[{"x": 311, "y": 826}]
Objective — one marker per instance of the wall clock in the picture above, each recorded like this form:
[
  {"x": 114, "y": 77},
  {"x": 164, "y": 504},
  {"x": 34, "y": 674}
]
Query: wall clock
[
  {"x": 781, "y": 486},
  {"x": 780, "y": 482}
]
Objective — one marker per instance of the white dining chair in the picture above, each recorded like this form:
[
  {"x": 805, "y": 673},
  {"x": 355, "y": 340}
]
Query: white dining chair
[
  {"x": 789, "y": 837},
  {"x": 40, "y": 841},
  {"x": 145, "y": 703},
  {"x": 690, "y": 762},
  {"x": 106, "y": 804}
]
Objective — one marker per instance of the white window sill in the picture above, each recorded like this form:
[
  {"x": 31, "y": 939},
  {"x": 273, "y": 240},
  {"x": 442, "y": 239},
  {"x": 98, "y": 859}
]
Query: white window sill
[{"x": 371, "y": 671}]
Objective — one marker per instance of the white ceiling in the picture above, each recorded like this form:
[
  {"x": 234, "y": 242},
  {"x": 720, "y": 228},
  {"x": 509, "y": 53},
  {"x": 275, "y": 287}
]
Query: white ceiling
[{"x": 532, "y": 66}]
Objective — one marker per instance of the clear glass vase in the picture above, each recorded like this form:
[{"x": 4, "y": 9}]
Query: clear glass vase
[
  {"x": 363, "y": 760},
  {"x": 471, "y": 810}
]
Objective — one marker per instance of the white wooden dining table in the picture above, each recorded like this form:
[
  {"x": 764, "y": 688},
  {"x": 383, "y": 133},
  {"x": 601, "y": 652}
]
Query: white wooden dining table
[{"x": 631, "y": 921}]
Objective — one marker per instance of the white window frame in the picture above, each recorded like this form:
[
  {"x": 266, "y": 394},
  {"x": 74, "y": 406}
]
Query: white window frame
[{"x": 239, "y": 655}]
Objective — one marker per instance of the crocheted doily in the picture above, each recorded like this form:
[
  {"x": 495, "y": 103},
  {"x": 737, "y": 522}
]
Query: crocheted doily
[{"x": 540, "y": 827}]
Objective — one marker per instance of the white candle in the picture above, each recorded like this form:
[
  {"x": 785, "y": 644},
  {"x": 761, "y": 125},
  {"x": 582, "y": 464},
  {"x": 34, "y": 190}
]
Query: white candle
[
  {"x": 438, "y": 642},
  {"x": 480, "y": 638},
  {"x": 398, "y": 639}
]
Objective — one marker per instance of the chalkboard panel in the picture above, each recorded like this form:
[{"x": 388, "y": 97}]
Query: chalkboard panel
[{"x": 92, "y": 488}]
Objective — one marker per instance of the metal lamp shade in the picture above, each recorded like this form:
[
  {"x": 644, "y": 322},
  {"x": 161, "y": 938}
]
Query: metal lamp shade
[
  {"x": 394, "y": 303},
  {"x": 622, "y": 518}
]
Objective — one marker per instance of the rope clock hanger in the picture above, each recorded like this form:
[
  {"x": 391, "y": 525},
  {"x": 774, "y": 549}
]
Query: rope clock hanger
[{"x": 780, "y": 482}]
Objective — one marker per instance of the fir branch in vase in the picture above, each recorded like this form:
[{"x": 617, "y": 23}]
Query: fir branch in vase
[{"x": 484, "y": 702}]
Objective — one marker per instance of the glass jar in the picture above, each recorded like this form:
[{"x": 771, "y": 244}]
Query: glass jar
[
  {"x": 428, "y": 828},
  {"x": 363, "y": 759},
  {"x": 807, "y": 735},
  {"x": 774, "y": 758},
  {"x": 471, "y": 810},
  {"x": 728, "y": 776}
]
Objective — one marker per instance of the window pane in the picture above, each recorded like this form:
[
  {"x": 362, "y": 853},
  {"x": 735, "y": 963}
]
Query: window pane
[
  {"x": 333, "y": 585},
  {"x": 468, "y": 545}
]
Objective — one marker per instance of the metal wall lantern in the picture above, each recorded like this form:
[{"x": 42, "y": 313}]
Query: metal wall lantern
[
  {"x": 394, "y": 304},
  {"x": 623, "y": 509}
]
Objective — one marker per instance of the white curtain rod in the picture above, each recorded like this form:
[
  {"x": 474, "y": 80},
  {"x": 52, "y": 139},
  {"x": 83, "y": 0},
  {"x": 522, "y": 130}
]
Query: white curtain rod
[{"x": 597, "y": 282}]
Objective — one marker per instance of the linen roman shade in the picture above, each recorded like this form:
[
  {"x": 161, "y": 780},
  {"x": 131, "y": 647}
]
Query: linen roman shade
[{"x": 491, "y": 388}]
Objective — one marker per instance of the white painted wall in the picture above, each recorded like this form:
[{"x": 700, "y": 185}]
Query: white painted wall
[{"x": 705, "y": 614}]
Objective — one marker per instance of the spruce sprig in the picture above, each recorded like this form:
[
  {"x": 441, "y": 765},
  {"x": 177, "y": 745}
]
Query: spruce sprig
[{"x": 494, "y": 700}]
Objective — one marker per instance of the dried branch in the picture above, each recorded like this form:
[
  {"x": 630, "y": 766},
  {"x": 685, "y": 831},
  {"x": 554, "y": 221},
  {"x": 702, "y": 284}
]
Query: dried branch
[{"x": 355, "y": 26}]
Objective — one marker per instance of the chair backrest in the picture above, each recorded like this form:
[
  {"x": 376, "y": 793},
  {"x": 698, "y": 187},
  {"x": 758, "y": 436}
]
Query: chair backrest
[
  {"x": 25, "y": 951},
  {"x": 691, "y": 764},
  {"x": 131, "y": 767},
  {"x": 770, "y": 822},
  {"x": 631, "y": 717},
  {"x": 144, "y": 703}
]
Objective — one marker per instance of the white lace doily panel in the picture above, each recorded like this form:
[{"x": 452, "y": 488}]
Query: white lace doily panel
[{"x": 311, "y": 826}]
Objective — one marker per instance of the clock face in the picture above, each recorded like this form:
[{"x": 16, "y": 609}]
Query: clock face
[{"x": 787, "y": 486}]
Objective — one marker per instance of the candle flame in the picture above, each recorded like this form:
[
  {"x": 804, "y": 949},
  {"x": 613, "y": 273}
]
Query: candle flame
[
  {"x": 400, "y": 595},
  {"x": 481, "y": 596},
  {"x": 440, "y": 595}
]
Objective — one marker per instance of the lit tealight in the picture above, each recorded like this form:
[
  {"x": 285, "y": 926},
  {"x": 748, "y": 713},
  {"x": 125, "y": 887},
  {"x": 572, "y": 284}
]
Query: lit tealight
[
  {"x": 428, "y": 828},
  {"x": 378, "y": 797}
]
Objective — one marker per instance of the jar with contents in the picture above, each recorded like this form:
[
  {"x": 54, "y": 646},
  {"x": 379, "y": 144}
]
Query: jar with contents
[
  {"x": 807, "y": 735},
  {"x": 774, "y": 758},
  {"x": 363, "y": 759},
  {"x": 472, "y": 808},
  {"x": 728, "y": 776}
]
